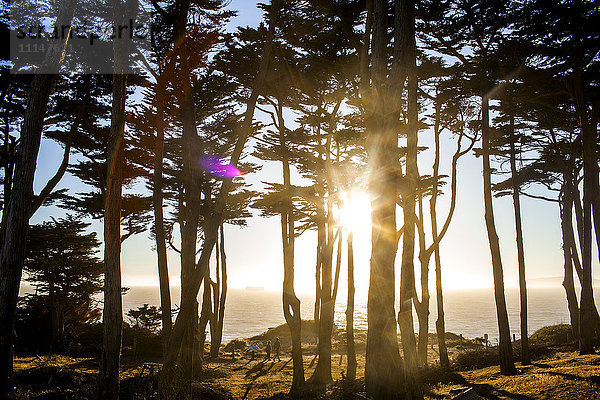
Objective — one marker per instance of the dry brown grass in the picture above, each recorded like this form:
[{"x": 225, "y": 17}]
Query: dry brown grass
[{"x": 563, "y": 376}]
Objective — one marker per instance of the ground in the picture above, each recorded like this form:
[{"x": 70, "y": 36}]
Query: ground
[
  {"x": 565, "y": 376},
  {"x": 559, "y": 376}
]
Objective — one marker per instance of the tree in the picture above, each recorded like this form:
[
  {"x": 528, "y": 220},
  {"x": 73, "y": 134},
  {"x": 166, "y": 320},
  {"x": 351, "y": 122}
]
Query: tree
[
  {"x": 281, "y": 201},
  {"x": 480, "y": 25},
  {"x": 112, "y": 315},
  {"x": 215, "y": 215},
  {"x": 350, "y": 348},
  {"x": 567, "y": 52},
  {"x": 61, "y": 263},
  {"x": 18, "y": 210},
  {"x": 509, "y": 108},
  {"x": 145, "y": 317},
  {"x": 382, "y": 369},
  {"x": 453, "y": 112}
]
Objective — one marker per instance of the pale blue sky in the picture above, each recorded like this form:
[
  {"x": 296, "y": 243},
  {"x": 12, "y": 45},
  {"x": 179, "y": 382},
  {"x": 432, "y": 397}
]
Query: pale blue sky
[{"x": 254, "y": 253}]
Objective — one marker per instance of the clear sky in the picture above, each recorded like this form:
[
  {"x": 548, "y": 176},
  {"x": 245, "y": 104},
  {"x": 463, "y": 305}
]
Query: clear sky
[{"x": 255, "y": 255}]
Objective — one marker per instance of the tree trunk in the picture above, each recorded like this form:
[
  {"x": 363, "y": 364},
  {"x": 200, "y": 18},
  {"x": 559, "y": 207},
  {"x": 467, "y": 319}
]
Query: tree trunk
[
  {"x": 216, "y": 297},
  {"x": 382, "y": 368},
  {"x": 516, "y": 188},
  {"x": 291, "y": 303},
  {"x": 18, "y": 208},
  {"x": 54, "y": 317},
  {"x": 507, "y": 366},
  {"x": 322, "y": 373},
  {"x": 422, "y": 307},
  {"x": 407, "y": 272},
  {"x": 159, "y": 224},
  {"x": 566, "y": 216},
  {"x": 217, "y": 335},
  {"x": 440, "y": 323},
  {"x": 590, "y": 183},
  {"x": 351, "y": 350},
  {"x": 193, "y": 187},
  {"x": 593, "y": 129},
  {"x": 112, "y": 314},
  {"x": 205, "y": 317}
]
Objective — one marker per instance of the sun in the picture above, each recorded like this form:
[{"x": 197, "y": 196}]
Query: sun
[{"x": 355, "y": 212}]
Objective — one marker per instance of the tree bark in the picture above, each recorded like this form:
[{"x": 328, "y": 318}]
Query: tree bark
[
  {"x": 351, "y": 362},
  {"x": 328, "y": 286},
  {"x": 440, "y": 323},
  {"x": 590, "y": 188},
  {"x": 217, "y": 334},
  {"x": 382, "y": 368},
  {"x": 422, "y": 307},
  {"x": 568, "y": 282},
  {"x": 516, "y": 188},
  {"x": 112, "y": 314},
  {"x": 159, "y": 224},
  {"x": 507, "y": 366},
  {"x": 291, "y": 303},
  {"x": 407, "y": 273},
  {"x": 18, "y": 208},
  {"x": 322, "y": 373}
]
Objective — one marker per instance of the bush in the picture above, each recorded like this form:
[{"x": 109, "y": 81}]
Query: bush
[
  {"x": 147, "y": 344},
  {"x": 475, "y": 359},
  {"x": 553, "y": 335}
]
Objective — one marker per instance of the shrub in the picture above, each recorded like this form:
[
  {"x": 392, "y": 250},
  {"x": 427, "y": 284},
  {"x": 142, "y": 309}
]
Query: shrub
[{"x": 553, "y": 335}]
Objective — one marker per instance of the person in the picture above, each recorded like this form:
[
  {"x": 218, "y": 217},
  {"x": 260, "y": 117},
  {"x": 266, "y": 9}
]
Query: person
[
  {"x": 276, "y": 349},
  {"x": 268, "y": 351},
  {"x": 253, "y": 349}
]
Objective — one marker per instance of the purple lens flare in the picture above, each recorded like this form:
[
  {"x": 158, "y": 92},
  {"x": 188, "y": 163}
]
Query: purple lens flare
[{"x": 218, "y": 166}]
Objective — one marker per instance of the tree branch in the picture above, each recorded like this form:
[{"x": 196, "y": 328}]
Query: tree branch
[{"x": 51, "y": 184}]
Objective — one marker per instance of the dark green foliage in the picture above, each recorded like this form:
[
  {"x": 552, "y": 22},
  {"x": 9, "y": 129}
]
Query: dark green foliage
[
  {"x": 555, "y": 334},
  {"x": 62, "y": 266},
  {"x": 145, "y": 317}
]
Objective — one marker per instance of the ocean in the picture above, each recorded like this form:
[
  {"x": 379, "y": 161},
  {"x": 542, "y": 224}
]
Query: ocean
[{"x": 471, "y": 313}]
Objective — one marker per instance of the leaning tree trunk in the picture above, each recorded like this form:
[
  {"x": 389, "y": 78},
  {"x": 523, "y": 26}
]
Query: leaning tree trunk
[
  {"x": 516, "y": 188},
  {"x": 112, "y": 314},
  {"x": 351, "y": 350},
  {"x": 18, "y": 208},
  {"x": 507, "y": 365}
]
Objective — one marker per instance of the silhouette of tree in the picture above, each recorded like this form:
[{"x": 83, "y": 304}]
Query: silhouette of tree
[
  {"x": 62, "y": 264},
  {"x": 17, "y": 211}
]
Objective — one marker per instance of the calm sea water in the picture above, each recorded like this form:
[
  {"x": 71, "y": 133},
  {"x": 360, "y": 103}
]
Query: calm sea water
[{"x": 471, "y": 313}]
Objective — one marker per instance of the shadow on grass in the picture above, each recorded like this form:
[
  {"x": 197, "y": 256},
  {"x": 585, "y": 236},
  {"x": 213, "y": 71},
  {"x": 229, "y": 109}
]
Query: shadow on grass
[{"x": 594, "y": 379}]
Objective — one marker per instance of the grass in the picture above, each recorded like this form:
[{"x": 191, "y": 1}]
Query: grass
[{"x": 558, "y": 372}]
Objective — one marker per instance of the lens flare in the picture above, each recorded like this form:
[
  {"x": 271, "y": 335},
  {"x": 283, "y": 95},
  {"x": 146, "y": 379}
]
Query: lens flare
[{"x": 218, "y": 166}]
